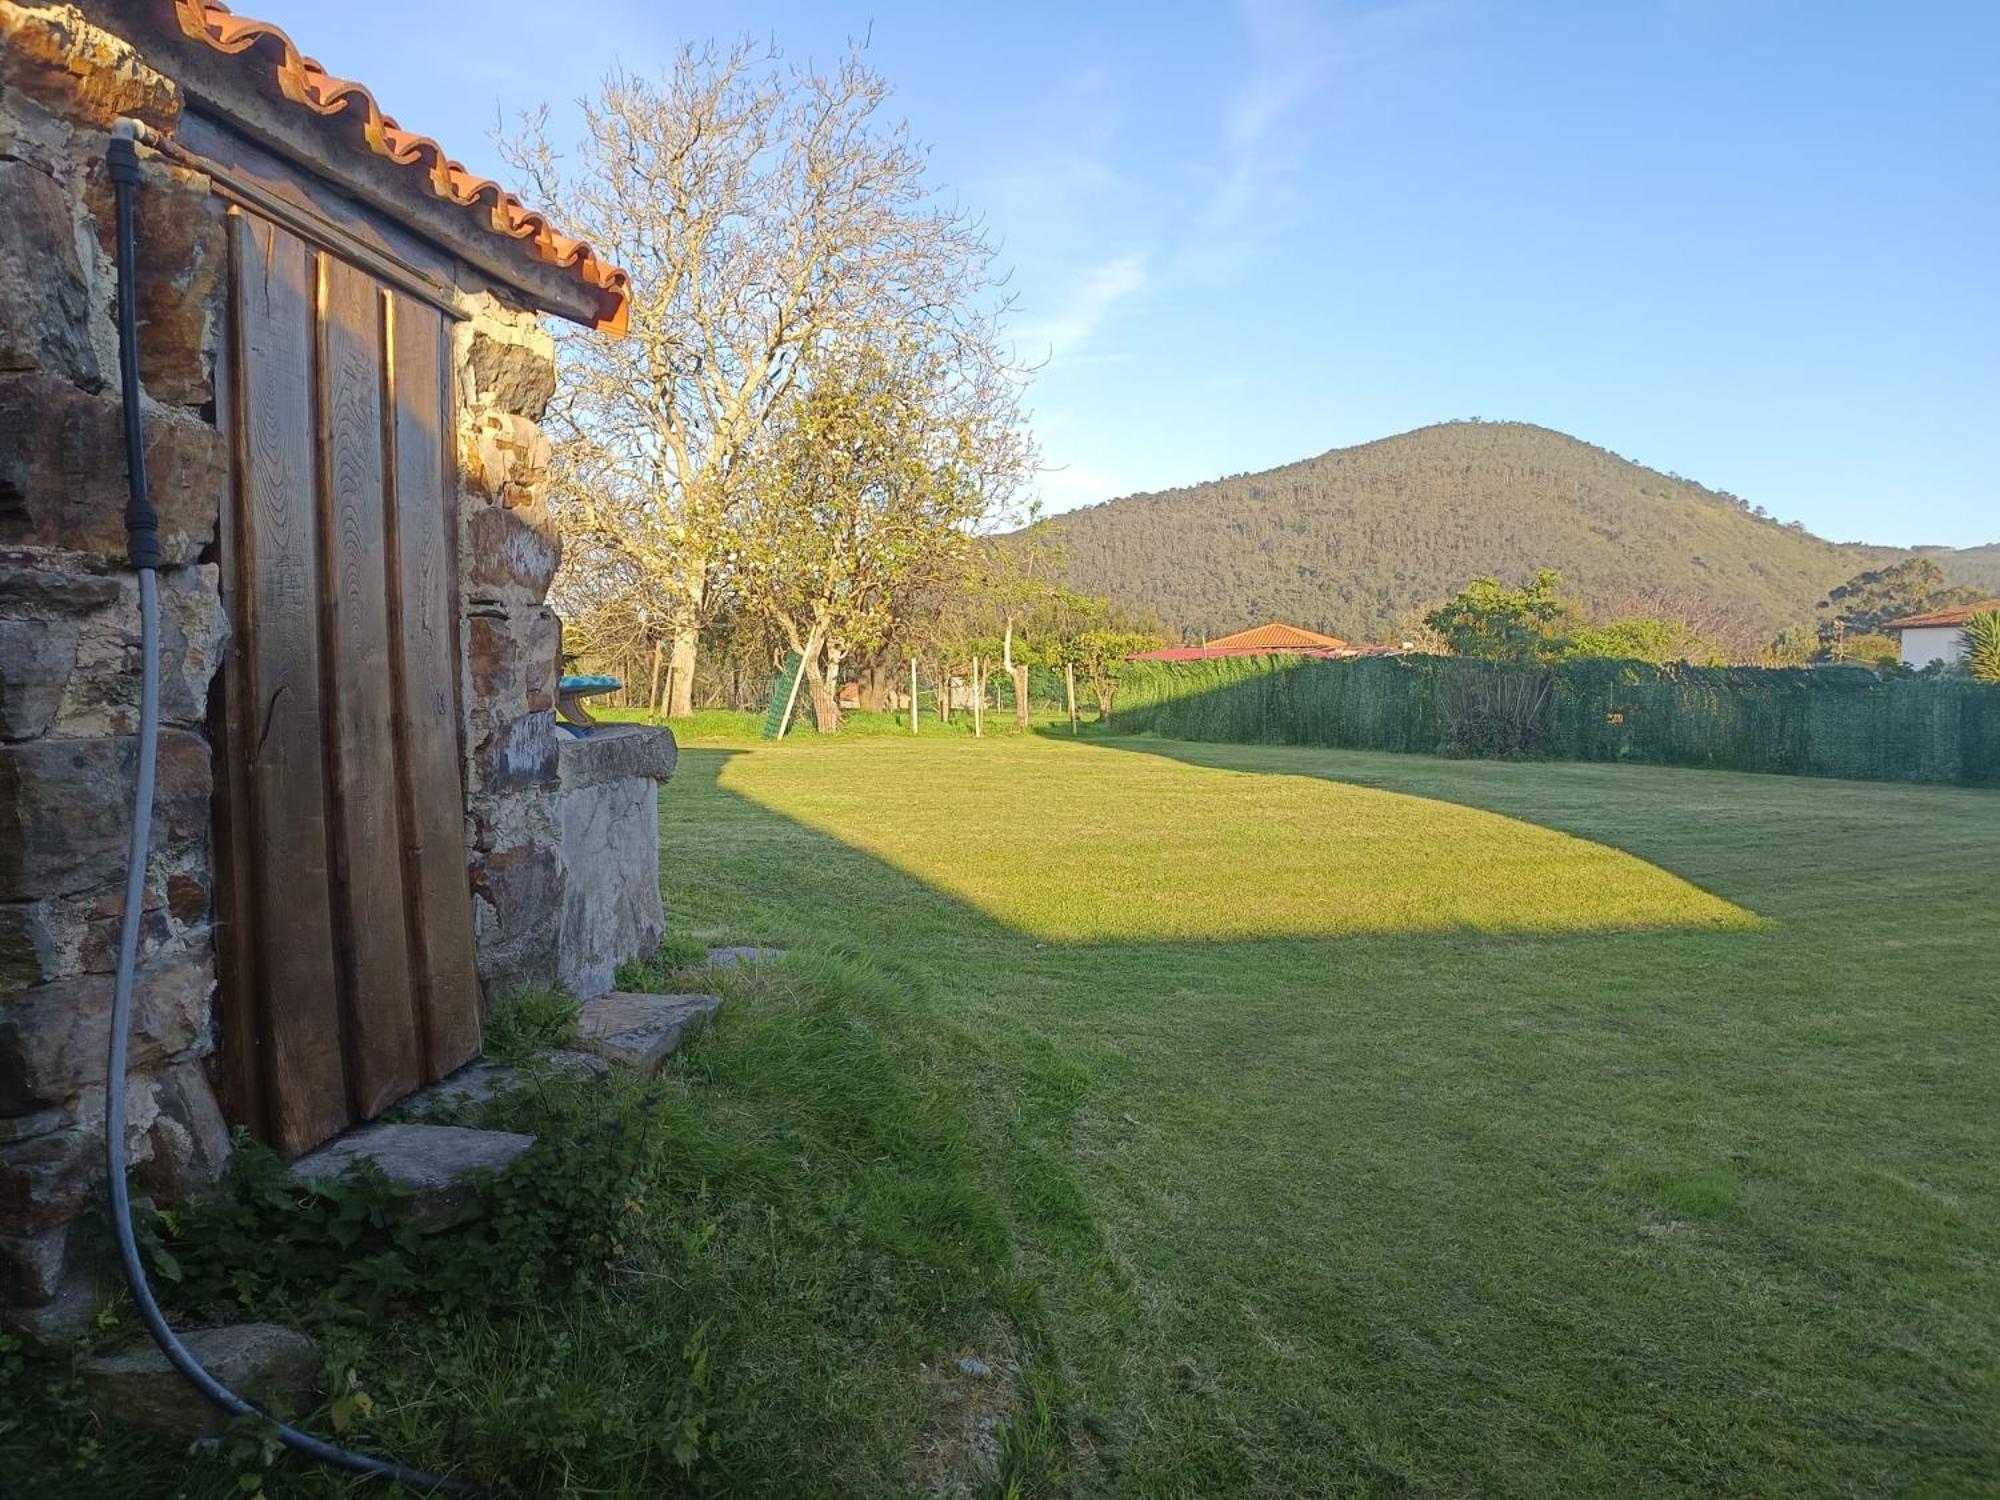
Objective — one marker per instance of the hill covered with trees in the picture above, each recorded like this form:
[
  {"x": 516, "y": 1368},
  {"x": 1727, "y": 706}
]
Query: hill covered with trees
[{"x": 1360, "y": 541}]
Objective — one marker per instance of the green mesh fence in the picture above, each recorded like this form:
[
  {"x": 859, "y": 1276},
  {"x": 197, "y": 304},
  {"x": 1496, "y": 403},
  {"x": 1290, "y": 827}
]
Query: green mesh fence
[{"x": 1799, "y": 721}]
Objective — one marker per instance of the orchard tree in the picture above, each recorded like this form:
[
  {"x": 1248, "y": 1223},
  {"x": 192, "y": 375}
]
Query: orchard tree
[
  {"x": 1487, "y": 619},
  {"x": 763, "y": 211},
  {"x": 865, "y": 495}
]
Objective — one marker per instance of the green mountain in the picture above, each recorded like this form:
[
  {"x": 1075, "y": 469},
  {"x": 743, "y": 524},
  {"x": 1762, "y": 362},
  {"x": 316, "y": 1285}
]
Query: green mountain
[{"x": 1359, "y": 541}]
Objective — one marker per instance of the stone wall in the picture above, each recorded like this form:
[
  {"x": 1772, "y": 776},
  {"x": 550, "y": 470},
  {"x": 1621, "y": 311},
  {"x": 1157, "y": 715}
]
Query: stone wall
[
  {"x": 509, "y": 551},
  {"x": 69, "y": 650},
  {"x": 69, "y": 661}
]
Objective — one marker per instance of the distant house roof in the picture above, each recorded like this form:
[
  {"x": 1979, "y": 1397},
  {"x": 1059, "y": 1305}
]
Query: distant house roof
[
  {"x": 1957, "y": 615},
  {"x": 1264, "y": 640},
  {"x": 302, "y": 82}
]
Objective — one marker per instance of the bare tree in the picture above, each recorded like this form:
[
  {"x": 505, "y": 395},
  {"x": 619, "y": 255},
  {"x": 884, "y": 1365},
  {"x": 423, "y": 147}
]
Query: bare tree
[{"x": 760, "y": 208}]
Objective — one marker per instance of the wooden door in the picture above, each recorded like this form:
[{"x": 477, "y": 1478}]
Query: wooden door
[{"x": 345, "y": 917}]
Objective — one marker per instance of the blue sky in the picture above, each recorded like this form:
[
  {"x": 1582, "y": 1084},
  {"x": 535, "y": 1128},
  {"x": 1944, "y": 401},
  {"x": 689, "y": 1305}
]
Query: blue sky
[{"x": 1750, "y": 241}]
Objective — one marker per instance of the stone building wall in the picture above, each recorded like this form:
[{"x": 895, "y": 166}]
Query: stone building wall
[
  {"x": 69, "y": 637},
  {"x": 69, "y": 650}
]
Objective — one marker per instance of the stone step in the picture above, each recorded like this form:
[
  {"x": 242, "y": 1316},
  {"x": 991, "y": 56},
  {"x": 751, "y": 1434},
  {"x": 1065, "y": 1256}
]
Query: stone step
[
  {"x": 723, "y": 957},
  {"x": 478, "y": 1082},
  {"x": 433, "y": 1163},
  {"x": 632, "y": 1030},
  {"x": 270, "y": 1366}
]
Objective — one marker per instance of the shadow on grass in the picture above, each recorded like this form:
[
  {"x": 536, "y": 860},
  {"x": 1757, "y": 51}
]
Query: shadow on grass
[{"x": 1247, "y": 1167}]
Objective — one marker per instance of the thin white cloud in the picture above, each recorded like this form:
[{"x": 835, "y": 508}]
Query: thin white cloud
[
  {"x": 1085, "y": 306},
  {"x": 1291, "y": 54}
]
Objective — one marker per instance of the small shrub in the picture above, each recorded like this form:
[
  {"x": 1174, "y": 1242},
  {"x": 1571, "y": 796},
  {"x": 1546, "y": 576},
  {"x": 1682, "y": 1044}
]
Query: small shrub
[{"x": 530, "y": 1021}]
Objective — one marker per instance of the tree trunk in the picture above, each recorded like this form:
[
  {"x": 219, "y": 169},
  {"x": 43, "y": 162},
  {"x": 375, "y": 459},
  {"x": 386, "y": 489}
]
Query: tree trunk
[
  {"x": 680, "y": 680},
  {"x": 978, "y": 700},
  {"x": 1020, "y": 676},
  {"x": 943, "y": 676},
  {"x": 825, "y": 681},
  {"x": 1069, "y": 692},
  {"x": 653, "y": 687},
  {"x": 913, "y": 695}
]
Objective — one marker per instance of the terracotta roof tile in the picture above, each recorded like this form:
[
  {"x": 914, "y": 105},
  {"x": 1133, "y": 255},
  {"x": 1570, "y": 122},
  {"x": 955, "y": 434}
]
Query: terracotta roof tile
[
  {"x": 1274, "y": 637},
  {"x": 304, "y": 82},
  {"x": 1938, "y": 617}
]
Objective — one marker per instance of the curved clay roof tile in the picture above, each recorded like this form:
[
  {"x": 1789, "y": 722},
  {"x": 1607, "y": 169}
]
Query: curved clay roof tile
[{"x": 304, "y": 82}]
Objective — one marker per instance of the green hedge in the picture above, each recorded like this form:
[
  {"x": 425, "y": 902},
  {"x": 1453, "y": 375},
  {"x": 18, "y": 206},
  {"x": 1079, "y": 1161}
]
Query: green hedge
[{"x": 1828, "y": 721}]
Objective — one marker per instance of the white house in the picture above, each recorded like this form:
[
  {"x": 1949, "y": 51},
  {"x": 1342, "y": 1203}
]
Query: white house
[{"x": 1937, "y": 636}]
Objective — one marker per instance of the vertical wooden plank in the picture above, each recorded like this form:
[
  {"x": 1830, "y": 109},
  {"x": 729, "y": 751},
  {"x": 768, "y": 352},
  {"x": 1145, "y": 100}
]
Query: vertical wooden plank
[
  {"x": 379, "y": 1005},
  {"x": 423, "y": 593},
  {"x": 304, "y": 1073},
  {"x": 238, "y": 1063}
]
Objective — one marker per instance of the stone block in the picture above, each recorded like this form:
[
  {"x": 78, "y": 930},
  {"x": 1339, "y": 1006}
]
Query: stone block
[
  {"x": 44, "y": 298},
  {"x": 507, "y": 459},
  {"x": 638, "y": 1031},
  {"x": 435, "y": 1164},
  {"x": 183, "y": 264},
  {"x": 81, "y": 71},
  {"x": 517, "y": 912},
  {"x": 611, "y": 908},
  {"x": 274, "y": 1368},
  {"x": 617, "y": 752},
  {"x": 517, "y": 755},
  {"x": 101, "y": 694},
  {"x": 48, "y": 1161},
  {"x": 188, "y": 1141},
  {"x": 511, "y": 553},
  {"x": 744, "y": 957},
  {"x": 66, "y": 809},
  {"x": 27, "y": 954},
  {"x": 514, "y": 657},
  {"x": 482, "y": 1082},
  {"x": 53, "y": 1038},
  {"x": 62, "y": 471},
  {"x": 511, "y": 372},
  {"x": 32, "y": 1267}
]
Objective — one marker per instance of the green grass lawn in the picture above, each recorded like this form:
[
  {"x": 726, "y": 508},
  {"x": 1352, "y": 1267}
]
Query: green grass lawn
[{"x": 1376, "y": 1124}]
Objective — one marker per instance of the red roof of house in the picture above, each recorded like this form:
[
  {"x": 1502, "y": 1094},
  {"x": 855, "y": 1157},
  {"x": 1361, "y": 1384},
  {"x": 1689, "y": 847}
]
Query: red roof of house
[
  {"x": 305, "y": 83},
  {"x": 1264, "y": 640},
  {"x": 1957, "y": 615}
]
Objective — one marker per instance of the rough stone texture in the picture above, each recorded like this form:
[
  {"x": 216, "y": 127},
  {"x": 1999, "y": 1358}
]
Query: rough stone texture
[
  {"x": 182, "y": 226},
  {"x": 32, "y": 1267},
  {"x": 513, "y": 657},
  {"x": 187, "y": 1146},
  {"x": 44, "y": 299},
  {"x": 69, "y": 648},
  {"x": 611, "y": 907},
  {"x": 54, "y": 1037},
  {"x": 65, "y": 809},
  {"x": 84, "y": 73},
  {"x": 477, "y": 1083},
  {"x": 272, "y": 1367},
  {"x": 434, "y": 1163},
  {"x": 511, "y": 553},
  {"x": 641, "y": 1031},
  {"x": 513, "y": 375},
  {"x": 744, "y": 956},
  {"x": 507, "y": 362},
  {"x": 618, "y": 752},
  {"x": 62, "y": 471}
]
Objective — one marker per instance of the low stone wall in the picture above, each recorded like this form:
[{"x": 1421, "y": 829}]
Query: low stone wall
[{"x": 609, "y": 813}]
